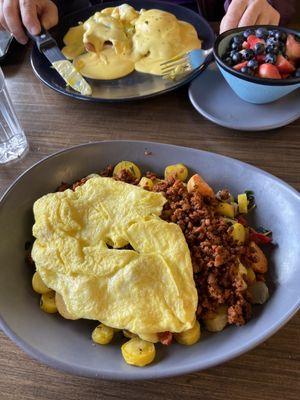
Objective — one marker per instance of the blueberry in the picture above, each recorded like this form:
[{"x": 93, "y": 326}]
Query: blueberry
[
  {"x": 275, "y": 32},
  {"x": 236, "y": 57},
  {"x": 297, "y": 73},
  {"x": 259, "y": 48},
  {"x": 228, "y": 61},
  {"x": 272, "y": 49},
  {"x": 247, "y": 54},
  {"x": 271, "y": 58},
  {"x": 281, "y": 36},
  {"x": 238, "y": 39},
  {"x": 252, "y": 64},
  {"x": 272, "y": 32},
  {"x": 272, "y": 41},
  {"x": 236, "y": 46},
  {"x": 248, "y": 32},
  {"x": 261, "y": 33},
  {"x": 246, "y": 70}
]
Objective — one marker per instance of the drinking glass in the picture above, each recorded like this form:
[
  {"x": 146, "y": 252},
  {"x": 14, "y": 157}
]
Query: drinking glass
[{"x": 13, "y": 141}]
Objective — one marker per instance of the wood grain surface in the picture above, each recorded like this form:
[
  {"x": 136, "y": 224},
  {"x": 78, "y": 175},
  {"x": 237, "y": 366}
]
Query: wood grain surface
[{"x": 53, "y": 122}]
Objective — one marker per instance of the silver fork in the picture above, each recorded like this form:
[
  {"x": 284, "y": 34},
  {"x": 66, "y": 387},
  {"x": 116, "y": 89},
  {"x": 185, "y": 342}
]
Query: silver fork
[{"x": 191, "y": 61}]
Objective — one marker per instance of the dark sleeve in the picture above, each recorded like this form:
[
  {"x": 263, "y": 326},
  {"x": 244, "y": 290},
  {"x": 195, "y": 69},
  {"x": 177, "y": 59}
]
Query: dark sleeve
[
  {"x": 286, "y": 8},
  {"x": 67, "y": 6}
]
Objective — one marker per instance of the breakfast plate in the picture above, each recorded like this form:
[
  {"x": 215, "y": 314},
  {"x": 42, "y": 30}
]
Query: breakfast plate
[
  {"x": 223, "y": 107},
  {"x": 134, "y": 86},
  {"x": 66, "y": 344}
]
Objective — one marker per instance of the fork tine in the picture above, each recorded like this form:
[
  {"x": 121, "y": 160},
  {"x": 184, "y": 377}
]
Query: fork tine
[
  {"x": 175, "y": 63},
  {"x": 182, "y": 55},
  {"x": 186, "y": 67}
]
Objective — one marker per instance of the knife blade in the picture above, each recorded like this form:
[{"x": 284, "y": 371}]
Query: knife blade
[{"x": 48, "y": 46}]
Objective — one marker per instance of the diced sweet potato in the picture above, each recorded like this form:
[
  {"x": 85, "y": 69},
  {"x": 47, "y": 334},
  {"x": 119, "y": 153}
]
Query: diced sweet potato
[
  {"x": 261, "y": 265},
  {"x": 197, "y": 184}
]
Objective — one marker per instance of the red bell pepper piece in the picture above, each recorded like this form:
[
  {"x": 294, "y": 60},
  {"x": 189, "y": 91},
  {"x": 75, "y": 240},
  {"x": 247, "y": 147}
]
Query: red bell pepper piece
[
  {"x": 165, "y": 338},
  {"x": 259, "y": 238}
]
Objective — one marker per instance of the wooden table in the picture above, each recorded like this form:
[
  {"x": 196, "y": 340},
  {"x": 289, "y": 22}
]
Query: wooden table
[{"x": 53, "y": 122}]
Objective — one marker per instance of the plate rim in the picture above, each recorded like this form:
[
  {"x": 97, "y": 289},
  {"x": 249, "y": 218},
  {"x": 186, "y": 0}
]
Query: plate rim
[
  {"x": 78, "y": 96},
  {"x": 227, "y": 125},
  {"x": 144, "y": 373}
]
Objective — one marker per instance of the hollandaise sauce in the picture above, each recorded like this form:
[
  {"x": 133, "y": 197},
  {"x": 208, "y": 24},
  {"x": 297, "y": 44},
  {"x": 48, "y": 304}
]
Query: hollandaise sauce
[{"x": 118, "y": 40}]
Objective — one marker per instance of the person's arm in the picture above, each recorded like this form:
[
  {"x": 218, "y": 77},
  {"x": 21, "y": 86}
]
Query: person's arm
[
  {"x": 255, "y": 12},
  {"x": 18, "y": 15}
]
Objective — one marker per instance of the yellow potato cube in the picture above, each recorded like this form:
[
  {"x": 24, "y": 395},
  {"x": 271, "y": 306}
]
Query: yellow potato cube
[
  {"x": 102, "y": 334},
  {"x": 242, "y": 270},
  {"x": 243, "y": 203},
  {"x": 189, "y": 337},
  {"x": 225, "y": 209},
  {"x": 238, "y": 233},
  {"x": 251, "y": 275},
  {"x": 38, "y": 285},
  {"x": 146, "y": 183},
  {"x": 129, "y": 166},
  {"x": 138, "y": 352},
  {"x": 177, "y": 171},
  {"x": 47, "y": 302},
  {"x": 218, "y": 321}
]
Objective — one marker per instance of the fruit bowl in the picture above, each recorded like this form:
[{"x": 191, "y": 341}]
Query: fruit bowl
[{"x": 251, "y": 88}]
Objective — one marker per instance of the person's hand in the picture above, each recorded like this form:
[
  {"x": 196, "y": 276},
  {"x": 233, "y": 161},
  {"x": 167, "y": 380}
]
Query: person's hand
[
  {"x": 249, "y": 12},
  {"x": 31, "y": 14}
]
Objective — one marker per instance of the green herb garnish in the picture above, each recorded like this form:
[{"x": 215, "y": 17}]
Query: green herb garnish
[
  {"x": 264, "y": 231},
  {"x": 251, "y": 199}
]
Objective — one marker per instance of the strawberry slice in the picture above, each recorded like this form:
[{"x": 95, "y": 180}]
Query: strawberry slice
[
  {"x": 284, "y": 66},
  {"x": 284, "y": 76},
  {"x": 245, "y": 45},
  {"x": 292, "y": 48},
  {"x": 252, "y": 40},
  {"x": 165, "y": 338},
  {"x": 239, "y": 66},
  {"x": 268, "y": 71}
]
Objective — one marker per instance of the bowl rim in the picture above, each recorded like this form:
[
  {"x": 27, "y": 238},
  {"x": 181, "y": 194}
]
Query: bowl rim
[
  {"x": 238, "y": 74},
  {"x": 144, "y": 373}
]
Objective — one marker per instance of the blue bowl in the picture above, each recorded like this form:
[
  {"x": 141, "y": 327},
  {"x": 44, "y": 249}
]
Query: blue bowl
[{"x": 252, "y": 89}]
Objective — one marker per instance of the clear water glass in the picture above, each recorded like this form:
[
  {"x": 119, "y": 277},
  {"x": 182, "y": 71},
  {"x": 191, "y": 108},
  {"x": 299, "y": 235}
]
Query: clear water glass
[{"x": 13, "y": 141}]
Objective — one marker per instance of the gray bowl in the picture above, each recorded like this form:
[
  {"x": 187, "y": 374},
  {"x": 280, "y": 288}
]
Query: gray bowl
[{"x": 66, "y": 344}]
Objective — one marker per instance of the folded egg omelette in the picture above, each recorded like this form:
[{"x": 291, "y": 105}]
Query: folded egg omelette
[{"x": 82, "y": 252}]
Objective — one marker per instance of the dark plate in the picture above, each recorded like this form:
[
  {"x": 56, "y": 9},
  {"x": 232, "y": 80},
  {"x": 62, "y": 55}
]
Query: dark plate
[{"x": 134, "y": 86}]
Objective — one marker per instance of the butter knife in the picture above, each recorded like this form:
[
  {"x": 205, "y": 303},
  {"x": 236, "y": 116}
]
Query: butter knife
[{"x": 48, "y": 46}]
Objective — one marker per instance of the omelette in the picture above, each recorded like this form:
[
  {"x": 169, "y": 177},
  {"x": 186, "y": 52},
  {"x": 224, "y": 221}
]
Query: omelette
[
  {"x": 118, "y": 40},
  {"x": 104, "y": 249}
]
